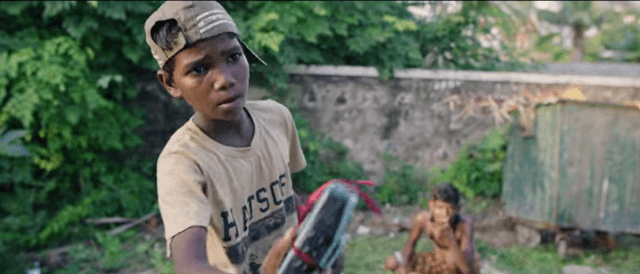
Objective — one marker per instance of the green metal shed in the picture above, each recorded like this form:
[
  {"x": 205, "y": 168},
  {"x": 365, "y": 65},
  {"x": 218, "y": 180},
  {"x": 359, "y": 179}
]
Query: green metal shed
[{"x": 580, "y": 169}]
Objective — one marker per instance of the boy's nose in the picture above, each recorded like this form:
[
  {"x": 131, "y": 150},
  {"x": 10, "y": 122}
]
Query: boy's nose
[{"x": 222, "y": 80}]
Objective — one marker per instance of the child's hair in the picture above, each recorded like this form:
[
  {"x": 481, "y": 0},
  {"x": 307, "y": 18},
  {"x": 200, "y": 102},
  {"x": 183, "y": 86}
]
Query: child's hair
[
  {"x": 446, "y": 192},
  {"x": 164, "y": 33}
]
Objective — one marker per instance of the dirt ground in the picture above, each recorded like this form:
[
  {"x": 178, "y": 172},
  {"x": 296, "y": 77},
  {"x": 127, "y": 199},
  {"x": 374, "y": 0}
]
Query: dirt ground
[{"x": 491, "y": 224}]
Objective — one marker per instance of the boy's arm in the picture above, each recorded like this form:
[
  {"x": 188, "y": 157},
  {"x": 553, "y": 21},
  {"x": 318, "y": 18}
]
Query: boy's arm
[
  {"x": 190, "y": 255},
  {"x": 189, "y": 252},
  {"x": 419, "y": 225},
  {"x": 466, "y": 243}
]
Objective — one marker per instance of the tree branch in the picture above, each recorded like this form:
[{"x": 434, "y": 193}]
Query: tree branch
[{"x": 126, "y": 227}]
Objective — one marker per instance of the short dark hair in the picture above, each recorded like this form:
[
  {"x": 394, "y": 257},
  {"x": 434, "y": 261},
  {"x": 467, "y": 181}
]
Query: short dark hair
[
  {"x": 447, "y": 193},
  {"x": 164, "y": 33}
]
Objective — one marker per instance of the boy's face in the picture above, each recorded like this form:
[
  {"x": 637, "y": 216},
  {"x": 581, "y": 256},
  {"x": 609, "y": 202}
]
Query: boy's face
[
  {"x": 441, "y": 210},
  {"x": 212, "y": 76}
]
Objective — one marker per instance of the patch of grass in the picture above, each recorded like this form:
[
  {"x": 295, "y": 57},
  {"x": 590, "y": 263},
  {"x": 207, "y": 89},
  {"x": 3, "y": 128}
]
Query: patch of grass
[
  {"x": 366, "y": 254},
  {"x": 159, "y": 261},
  {"x": 625, "y": 260},
  {"x": 113, "y": 254},
  {"x": 517, "y": 259},
  {"x": 545, "y": 259},
  {"x": 130, "y": 252}
]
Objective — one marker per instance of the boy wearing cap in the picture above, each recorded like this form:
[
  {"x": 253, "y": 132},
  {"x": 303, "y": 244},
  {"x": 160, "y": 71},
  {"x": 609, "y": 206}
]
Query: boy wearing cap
[{"x": 224, "y": 184}]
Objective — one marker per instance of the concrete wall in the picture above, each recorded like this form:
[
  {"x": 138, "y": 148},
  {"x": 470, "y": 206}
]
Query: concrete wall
[{"x": 407, "y": 116}]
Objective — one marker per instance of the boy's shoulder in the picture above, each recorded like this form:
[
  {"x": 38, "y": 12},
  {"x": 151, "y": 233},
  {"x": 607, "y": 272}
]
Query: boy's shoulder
[
  {"x": 266, "y": 106},
  {"x": 188, "y": 138},
  {"x": 182, "y": 141},
  {"x": 270, "y": 110}
]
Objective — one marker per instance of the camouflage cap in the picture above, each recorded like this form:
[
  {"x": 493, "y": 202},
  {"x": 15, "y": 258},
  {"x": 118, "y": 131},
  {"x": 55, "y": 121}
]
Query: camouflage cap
[{"x": 197, "y": 20}]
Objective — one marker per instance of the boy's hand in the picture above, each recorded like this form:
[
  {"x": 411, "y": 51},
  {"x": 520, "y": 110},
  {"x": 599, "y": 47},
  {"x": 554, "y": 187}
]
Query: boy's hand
[
  {"x": 277, "y": 252},
  {"x": 443, "y": 236}
]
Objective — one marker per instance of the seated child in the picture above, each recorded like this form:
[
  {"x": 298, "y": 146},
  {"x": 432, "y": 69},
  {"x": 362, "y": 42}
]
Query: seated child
[{"x": 452, "y": 238}]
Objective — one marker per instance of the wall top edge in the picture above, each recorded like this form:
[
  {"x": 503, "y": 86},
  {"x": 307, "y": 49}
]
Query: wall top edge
[{"x": 483, "y": 76}]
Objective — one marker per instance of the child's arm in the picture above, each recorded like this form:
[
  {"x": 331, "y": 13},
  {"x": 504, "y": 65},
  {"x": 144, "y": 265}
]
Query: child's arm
[
  {"x": 446, "y": 240},
  {"x": 419, "y": 225},
  {"x": 466, "y": 243},
  {"x": 189, "y": 252}
]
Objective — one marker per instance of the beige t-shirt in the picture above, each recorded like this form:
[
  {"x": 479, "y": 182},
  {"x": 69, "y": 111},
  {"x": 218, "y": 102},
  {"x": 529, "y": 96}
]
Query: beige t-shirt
[{"x": 243, "y": 196}]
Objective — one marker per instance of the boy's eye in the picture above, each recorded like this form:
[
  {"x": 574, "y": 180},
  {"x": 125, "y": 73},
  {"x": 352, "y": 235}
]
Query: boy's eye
[
  {"x": 199, "y": 69},
  {"x": 235, "y": 57}
]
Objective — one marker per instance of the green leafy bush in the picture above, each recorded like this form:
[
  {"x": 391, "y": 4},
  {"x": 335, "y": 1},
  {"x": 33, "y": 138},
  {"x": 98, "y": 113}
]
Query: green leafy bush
[
  {"x": 326, "y": 159},
  {"x": 384, "y": 35},
  {"x": 61, "y": 96},
  {"x": 477, "y": 171},
  {"x": 403, "y": 183}
]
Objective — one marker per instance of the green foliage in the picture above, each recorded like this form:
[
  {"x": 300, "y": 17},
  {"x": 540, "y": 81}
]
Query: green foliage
[
  {"x": 326, "y": 159},
  {"x": 383, "y": 35},
  {"x": 477, "y": 171},
  {"x": 366, "y": 253},
  {"x": 61, "y": 103},
  {"x": 113, "y": 257},
  {"x": 65, "y": 74},
  {"x": 68, "y": 215},
  {"x": 159, "y": 260},
  {"x": 449, "y": 43},
  {"x": 402, "y": 184},
  {"x": 558, "y": 53},
  {"x": 129, "y": 252},
  {"x": 618, "y": 36},
  {"x": 578, "y": 14},
  {"x": 545, "y": 259}
]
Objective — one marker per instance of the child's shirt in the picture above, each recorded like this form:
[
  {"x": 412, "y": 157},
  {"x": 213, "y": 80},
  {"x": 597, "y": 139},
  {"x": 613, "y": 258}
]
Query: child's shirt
[{"x": 243, "y": 196}]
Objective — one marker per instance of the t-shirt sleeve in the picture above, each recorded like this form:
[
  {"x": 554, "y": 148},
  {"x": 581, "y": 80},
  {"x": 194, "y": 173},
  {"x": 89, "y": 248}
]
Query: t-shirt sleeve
[
  {"x": 181, "y": 196},
  {"x": 297, "y": 162}
]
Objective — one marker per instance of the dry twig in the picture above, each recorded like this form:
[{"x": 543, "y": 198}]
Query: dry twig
[
  {"x": 109, "y": 220},
  {"x": 126, "y": 227}
]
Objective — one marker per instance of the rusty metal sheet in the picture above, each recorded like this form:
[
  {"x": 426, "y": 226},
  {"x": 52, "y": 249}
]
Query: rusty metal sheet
[
  {"x": 528, "y": 176},
  {"x": 581, "y": 169}
]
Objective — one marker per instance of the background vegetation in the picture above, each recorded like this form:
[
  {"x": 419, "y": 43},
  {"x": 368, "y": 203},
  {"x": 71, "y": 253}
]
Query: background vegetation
[{"x": 66, "y": 75}]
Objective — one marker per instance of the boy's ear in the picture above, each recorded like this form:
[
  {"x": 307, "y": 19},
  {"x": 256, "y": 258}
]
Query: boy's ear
[{"x": 165, "y": 80}]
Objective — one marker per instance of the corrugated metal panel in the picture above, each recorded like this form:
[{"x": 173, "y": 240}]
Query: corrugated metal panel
[{"x": 581, "y": 169}]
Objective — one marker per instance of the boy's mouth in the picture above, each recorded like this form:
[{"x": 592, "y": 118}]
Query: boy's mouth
[{"x": 230, "y": 100}]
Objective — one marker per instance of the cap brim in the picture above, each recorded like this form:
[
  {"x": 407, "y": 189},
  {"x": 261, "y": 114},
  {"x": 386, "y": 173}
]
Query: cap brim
[{"x": 251, "y": 56}]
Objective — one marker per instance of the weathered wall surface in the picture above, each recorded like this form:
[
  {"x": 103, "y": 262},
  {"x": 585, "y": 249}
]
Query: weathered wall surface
[
  {"x": 408, "y": 116},
  {"x": 405, "y": 116}
]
